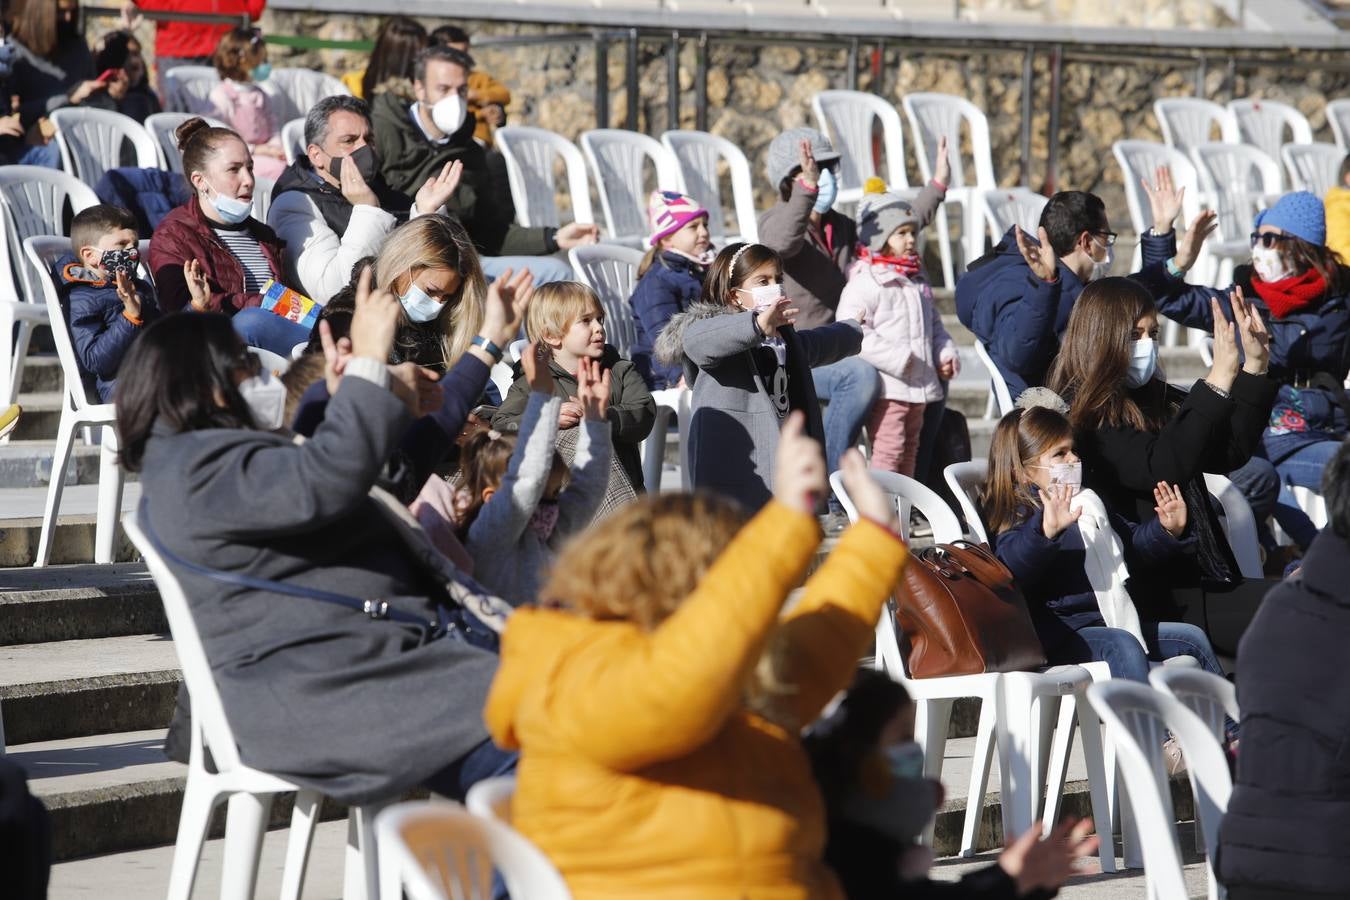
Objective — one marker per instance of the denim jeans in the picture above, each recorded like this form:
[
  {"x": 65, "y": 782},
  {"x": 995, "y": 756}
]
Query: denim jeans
[
  {"x": 485, "y": 761},
  {"x": 262, "y": 328},
  {"x": 544, "y": 268},
  {"x": 1119, "y": 649},
  {"x": 46, "y": 155},
  {"x": 1259, "y": 484},
  {"x": 1302, "y": 468},
  {"x": 850, "y": 387}
]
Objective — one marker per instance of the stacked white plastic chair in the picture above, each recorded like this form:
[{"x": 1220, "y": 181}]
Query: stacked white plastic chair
[
  {"x": 1338, "y": 117},
  {"x": 932, "y": 116},
  {"x": 441, "y": 851},
  {"x": 249, "y": 791},
  {"x": 91, "y": 142},
  {"x": 699, "y": 156},
  {"x": 293, "y": 140},
  {"x": 1263, "y": 123},
  {"x": 619, "y": 161},
  {"x": 1313, "y": 167},
  {"x": 188, "y": 89},
  {"x": 530, "y": 154},
  {"x": 1188, "y": 122},
  {"x": 1017, "y": 709},
  {"x": 1141, "y": 160},
  {"x": 294, "y": 91},
  {"x": 1242, "y": 180},
  {"x": 33, "y": 201}
]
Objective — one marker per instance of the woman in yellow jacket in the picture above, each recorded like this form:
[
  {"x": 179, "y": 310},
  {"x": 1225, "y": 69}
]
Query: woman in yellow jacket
[{"x": 659, "y": 754}]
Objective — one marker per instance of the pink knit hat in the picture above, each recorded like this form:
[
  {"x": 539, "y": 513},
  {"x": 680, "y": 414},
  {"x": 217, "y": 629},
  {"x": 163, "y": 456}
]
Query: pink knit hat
[{"x": 668, "y": 212}]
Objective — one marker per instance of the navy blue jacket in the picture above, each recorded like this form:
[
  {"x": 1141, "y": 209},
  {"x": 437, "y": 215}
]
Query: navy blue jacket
[
  {"x": 1313, "y": 340},
  {"x": 100, "y": 332},
  {"x": 1019, "y": 318},
  {"x": 1050, "y": 572},
  {"x": 671, "y": 284}
]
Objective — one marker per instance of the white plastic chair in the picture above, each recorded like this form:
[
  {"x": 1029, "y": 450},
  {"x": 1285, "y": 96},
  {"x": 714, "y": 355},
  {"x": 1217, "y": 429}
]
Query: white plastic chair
[
  {"x": 1188, "y": 122},
  {"x": 162, "y": 127},
  {"x": 530, "y": 154},
  {"x": 76, "y": 412},
  {"x": 966, "y": 479},
  {"x": 1142, "y": 159},
  {"x": 1241, "y": 180},
  {"x": 293, "y": 140},
  {"x": 188, "y": 89},
  {"x": 294, "y": 91},
  {"x": 1007, "y": 207},
  {"x": 848, "y": 118},
  {"x": 1209, "y": 696},
  {"x": 248, "y": 790},
  {"x": 1262, "y": 124},
  {"x": 698, "y": 156},
  {"x": 1136, "y": 718},
  {"x": 1239, "y": 524},
  {"x": 441, "y": 851},
  {"x": 1000, "y": 398},
  {"x": 934, "y": 115},
  {"x": 262, "y": 197},
  {"x": 33, "y": 201},
  {"x": 1338, "y": 117},
  {"x": 1313, "y": 167},
  {"x": 91, "y": 141},
  {"x": 491, "y": 798},
  {"x": 618, "y": 160},
  {"x": 1017, "y": 709}
]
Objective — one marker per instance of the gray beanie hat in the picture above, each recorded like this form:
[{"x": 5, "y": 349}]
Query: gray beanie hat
[
  {"x": 879, "y": 214},
  {"x": 785, "y": 153}
]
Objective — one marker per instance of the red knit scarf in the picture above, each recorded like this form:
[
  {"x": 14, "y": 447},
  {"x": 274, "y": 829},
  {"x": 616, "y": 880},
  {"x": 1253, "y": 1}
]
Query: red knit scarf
[
  {"x": 1292, "y": 294},
  {"x": 909, "y": 265}
]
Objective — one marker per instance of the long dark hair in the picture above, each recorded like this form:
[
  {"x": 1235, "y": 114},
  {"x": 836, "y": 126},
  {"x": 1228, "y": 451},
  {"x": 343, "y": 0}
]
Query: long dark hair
[
  {"x": 1303, "y": 256},
  {"x": 180, "y": 372},
  {"x": 724, "y": 276},
  {"x": 397, "y": 44},
  {"x": 1094, "y": 357}
]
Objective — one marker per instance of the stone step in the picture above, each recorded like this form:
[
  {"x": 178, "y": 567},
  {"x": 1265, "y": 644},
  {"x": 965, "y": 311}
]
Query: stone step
[
  {"x": 21, "y": 525},
  {"x": 41, "y": 416},
  {"x": 28, "y": 463},
  {"x": 67, "y": 689},
  {"x": 66, "y": 603},
  {"x": 41, "y": 374}
]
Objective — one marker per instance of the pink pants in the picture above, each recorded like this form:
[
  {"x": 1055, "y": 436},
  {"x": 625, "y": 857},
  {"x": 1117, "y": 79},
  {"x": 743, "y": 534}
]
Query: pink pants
[{"x": 895, "y": 426}]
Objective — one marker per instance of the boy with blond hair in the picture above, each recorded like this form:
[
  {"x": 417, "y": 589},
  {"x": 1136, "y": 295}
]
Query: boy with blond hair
[{"x": 567, "y": 321}]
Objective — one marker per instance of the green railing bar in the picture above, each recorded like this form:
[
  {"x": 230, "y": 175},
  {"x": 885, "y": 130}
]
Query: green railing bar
[{"x": 312, "y": 43}]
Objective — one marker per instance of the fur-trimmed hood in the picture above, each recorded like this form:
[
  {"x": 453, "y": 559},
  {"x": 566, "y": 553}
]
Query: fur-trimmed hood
[{"x": 669, "y": 346}]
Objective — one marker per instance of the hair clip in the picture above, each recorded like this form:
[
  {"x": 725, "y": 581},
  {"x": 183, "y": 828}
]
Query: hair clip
[
  {"x": 736, "y": 257},
  {"x": 494, "y": 435}
]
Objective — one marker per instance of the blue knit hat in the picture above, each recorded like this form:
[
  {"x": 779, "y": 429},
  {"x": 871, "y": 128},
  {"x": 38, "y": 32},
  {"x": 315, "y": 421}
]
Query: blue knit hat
[{"x": 1300, "y": 214}]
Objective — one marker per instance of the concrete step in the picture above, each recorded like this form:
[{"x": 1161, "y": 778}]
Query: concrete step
[
  {"x": 41, "y": 416},
  {"x": 67, "y": 689},
  {"x": 41, "y": 374},
  {"x": 66, "y": 603},
  {"x": 21, "y": 525},
  {"x": 28, "y": 463}
]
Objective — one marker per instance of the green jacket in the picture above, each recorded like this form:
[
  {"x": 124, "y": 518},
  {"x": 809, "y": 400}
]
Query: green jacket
[
  {"x": 632, "y": 411},
  {"x": 408, "y": 159}
]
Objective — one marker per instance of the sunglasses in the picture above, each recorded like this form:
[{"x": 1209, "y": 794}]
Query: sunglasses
[{"x": 1268, "y": 239}]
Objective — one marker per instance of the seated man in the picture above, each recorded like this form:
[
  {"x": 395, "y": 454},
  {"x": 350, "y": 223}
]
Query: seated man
[
  {"x": 416, "y": 141},
  {"x": 331, "y": 207}
]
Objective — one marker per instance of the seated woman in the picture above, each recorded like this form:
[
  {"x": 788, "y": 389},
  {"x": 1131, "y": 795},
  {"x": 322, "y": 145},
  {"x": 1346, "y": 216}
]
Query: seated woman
[
  {"x": 210, "y": 254},
  {"x": 358, "y": 707},
  {"x": 1134, "y": 430}
]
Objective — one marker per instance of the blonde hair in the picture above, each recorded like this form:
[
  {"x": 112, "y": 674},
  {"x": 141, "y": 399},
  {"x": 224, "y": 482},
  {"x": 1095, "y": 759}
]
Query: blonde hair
[
  {"x": 438, "y": 242},
  {"x": 556, "y": 306}
]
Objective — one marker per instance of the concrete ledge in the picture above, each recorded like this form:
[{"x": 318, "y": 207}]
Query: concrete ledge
[
  {"x": 121, "y": 605},
  {"x": 52, "y": 710}
]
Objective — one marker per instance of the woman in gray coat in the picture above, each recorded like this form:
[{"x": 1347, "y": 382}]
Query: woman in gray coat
[
  {"x": 358, "y": 707},
  {"x": 748, "y": 368}
]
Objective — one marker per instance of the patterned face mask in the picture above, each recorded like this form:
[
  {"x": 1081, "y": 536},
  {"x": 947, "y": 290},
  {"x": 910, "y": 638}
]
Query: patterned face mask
[{"x": 117, "y": 262}]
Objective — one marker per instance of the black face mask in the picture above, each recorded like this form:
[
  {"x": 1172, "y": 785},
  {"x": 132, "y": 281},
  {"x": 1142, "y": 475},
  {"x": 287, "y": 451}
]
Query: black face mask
[{"x": 365, "y": 159}]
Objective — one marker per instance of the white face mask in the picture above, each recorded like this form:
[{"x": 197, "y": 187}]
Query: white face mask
[
  {"x": 1102, "y": 267},
  {"x": 418, "y": 304},
  {"x": 448, "y": 113},
  {"x": 232, "y": 211},
  {"x": 1269, "y": 264},
  {"x": 1143, "y": 362},
  {"x": 765, "y": 295},
  {"x": 1066, "y": 473},
  {"x": 266, "y": 398}
]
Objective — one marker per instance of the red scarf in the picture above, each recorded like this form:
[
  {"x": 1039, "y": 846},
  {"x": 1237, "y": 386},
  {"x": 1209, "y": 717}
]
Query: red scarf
[
  {"x": 909, "y": 265},
  {"x": 1292, "y": 294}
]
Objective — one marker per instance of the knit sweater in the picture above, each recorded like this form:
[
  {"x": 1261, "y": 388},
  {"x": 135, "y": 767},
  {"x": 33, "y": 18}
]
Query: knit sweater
[{"x": 509, "y": 557}]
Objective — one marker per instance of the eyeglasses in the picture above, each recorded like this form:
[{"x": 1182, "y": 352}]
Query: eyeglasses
[
  {"x": 1269, "y": 239},
  {"x": 1110, "y": 237}
]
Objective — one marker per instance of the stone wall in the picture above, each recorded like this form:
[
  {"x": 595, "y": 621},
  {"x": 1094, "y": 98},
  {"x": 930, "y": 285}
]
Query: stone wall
[{"x": 755, "y": 91}]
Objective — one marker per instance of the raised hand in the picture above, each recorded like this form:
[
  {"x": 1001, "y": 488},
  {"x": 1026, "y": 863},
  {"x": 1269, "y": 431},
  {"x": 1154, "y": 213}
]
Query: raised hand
[
  {"x": 593, "y": 388},
  {"x": 867, "y": 496},
  {"x": 1224, "y": 371},
  {"x": 354, "y": 187},
  {"x": 1171, "y": 508},
  {"x": 126, "y": 292},
  {"x": 799, "y": 467},
  {"x": 570, "y": 414},
  {"x": 507, "y": 300},
  {"x": 335, "y": 356},
  {"x": 438, "y": 189},
  {"x": 1057, "y": 516},
  {"x": 375, "y": 321},
  {"x": 810, "y": 168},
  {"x": 781, "y": 313},
  {"x": 1251, "y": 331},
  {"x": 1188, "y": 248},
  {"x": 534, "y": 361},
  {"x": 1040, "y": 259},
  {"x": 1164, "y": 198},
  {"x": 1037, "y": 864},
  {"x": 942, "y": 168},
  {"x": 199, "y": 288}
]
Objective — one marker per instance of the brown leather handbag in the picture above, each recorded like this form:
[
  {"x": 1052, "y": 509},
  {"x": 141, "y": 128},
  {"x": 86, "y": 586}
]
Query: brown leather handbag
[{"x": 960, "y": 613}]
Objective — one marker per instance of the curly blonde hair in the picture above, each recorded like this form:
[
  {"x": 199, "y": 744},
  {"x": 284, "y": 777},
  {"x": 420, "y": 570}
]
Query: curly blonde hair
[{"x": 640, "y": 563}]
